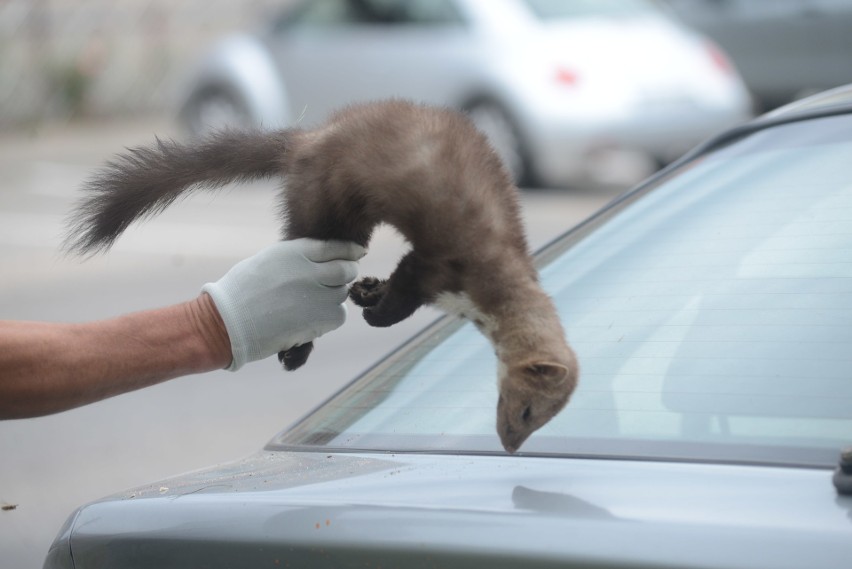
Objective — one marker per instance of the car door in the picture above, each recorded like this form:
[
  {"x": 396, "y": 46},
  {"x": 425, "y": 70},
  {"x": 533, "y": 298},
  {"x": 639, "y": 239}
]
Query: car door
[{"x": 335, "y": 52}]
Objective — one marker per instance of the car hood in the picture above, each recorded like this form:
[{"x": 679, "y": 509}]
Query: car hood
[{"x": 348, "y": 509}]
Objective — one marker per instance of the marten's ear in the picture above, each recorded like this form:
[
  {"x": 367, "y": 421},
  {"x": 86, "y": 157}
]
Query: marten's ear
[{"x": 543, "y": 374}]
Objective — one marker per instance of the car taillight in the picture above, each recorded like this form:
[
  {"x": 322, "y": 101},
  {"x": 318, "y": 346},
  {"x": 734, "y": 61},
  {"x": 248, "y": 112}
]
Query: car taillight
[
  {"x": 566, "y": 77},
  {"x": 719, "y": 58}
]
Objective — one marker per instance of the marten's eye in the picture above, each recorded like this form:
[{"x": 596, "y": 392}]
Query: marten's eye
[{"x": 527, "y": 415}]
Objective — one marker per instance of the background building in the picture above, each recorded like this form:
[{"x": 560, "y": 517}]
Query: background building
[{"x": 99, "y": 58}]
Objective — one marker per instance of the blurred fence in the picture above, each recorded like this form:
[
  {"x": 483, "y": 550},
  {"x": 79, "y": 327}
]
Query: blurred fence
[{"x": 71, "y": 58}]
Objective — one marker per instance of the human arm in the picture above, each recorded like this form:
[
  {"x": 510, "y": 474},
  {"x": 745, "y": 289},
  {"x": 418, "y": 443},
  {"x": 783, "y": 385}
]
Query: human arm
[
  {"x": 48, "y": 367},
  {"x": 288, "y": 293}
]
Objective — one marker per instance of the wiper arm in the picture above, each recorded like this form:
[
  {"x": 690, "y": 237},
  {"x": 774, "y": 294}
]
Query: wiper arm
[{"x": 843, "y": 475}]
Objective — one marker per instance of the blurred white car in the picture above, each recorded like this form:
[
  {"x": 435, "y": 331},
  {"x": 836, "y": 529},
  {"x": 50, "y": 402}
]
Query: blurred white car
[{"x": 564, "y": 89}]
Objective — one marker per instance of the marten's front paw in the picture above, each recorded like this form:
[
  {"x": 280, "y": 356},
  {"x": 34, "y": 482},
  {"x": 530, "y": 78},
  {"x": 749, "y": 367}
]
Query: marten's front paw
[{"x": 367, "y": 292}]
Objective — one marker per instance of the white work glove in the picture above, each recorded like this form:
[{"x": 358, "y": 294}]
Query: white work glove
[{"x": 286, "y": 295}]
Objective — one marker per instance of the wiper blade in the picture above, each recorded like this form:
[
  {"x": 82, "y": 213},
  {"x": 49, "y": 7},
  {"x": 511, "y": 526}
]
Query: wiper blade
[{"x": 843, "y": 475}]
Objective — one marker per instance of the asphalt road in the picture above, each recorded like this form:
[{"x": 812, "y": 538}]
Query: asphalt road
[{"x": 51, "y": 465}]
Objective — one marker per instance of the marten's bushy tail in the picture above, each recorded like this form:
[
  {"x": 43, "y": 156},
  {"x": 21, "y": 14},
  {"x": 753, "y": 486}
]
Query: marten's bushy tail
[{"x": 144, "y": 181}]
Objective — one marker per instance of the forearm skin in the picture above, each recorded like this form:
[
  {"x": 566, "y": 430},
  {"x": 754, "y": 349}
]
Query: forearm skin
[{"x": 50, "y": 367}]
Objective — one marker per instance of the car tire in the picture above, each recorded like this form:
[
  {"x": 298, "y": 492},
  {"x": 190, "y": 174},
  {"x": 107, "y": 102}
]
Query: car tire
[
  {"x": 214, "y": 109},
  {"x": 493, "y": 121}
]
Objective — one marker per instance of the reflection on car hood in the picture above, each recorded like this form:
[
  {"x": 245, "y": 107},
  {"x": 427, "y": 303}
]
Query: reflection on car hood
[{"x": 332, "y": 509}]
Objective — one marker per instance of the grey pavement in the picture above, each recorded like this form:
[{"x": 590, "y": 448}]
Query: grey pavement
[{"x": 51, "y": 465}]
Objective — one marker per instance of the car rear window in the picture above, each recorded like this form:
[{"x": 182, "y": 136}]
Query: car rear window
[{"x": 711, "y": 314}]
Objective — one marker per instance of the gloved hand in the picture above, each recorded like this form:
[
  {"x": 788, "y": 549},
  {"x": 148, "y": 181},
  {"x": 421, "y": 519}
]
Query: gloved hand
[{"x": 284, "y": 296}]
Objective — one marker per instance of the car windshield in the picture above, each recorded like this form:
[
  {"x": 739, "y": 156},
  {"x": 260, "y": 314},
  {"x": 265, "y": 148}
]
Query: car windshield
[
  {"x": 711, "y": 313},
  {"x": 562, "y": 9}
]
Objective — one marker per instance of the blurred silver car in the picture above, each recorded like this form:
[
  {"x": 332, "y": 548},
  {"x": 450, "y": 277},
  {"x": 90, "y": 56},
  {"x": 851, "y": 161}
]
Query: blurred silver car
[
  {"x": 567, "y": 91},
  {"x": 711, "y": 311},
  {"x": 784, "y": 49}
]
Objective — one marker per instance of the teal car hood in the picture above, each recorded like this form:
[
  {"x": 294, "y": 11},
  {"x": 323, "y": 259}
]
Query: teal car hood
[{"x": 290, "y": 509}]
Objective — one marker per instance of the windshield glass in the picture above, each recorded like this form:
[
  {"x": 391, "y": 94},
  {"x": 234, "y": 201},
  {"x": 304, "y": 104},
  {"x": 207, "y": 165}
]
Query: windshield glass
[
  {"x": 711, "y": 314},
  {"x": 562, "y": 9}
]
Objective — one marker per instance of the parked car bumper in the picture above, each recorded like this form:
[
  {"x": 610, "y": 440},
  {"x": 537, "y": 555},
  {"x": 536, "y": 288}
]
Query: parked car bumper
[{"x": 575, "y": 146}]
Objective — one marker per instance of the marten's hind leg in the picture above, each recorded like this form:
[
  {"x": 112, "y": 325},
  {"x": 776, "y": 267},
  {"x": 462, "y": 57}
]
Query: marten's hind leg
[{"x": 388, "y": 302}]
